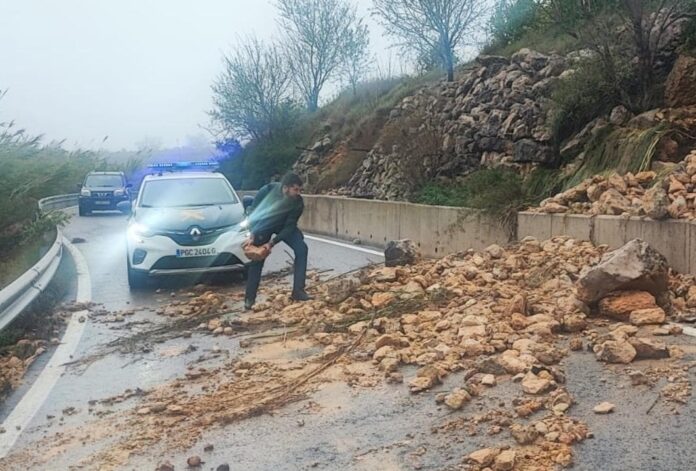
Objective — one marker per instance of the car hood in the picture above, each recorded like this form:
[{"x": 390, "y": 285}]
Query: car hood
[{"x": 181, "y": 219}]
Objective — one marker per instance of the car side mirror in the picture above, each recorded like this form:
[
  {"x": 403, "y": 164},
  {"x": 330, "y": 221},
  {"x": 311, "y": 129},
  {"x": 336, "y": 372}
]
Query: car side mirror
[
  {"x": 125, "y": 207},
  {"x": 247, "y": 202}
]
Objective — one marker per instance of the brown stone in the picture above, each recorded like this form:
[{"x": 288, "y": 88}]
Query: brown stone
[
  {"x": 621, "y": 304},
  {"x": 647, "y": 349},
  {"x": 647, "y": 316},
  {"x": 457, "y": 398},
  {"x": 532, "y": 384},
  {"x": 484, "y": 457},
  {"x": 615, "y": 351},
  {"x": 505, "y": 461},
  {"x": 381, "y": 300},
  {"x": 194, "y": 461},
  {"x": 604, "y": 408},
  {"x": 518, "y": 304}
]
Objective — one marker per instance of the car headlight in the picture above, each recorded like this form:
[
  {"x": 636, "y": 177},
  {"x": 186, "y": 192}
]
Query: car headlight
[
  {"x": 119, "y": 192},
  {"x": 85, "y": 192},
  {"x": 244, "y": 225},
  {"x": 139, "y": 230}
]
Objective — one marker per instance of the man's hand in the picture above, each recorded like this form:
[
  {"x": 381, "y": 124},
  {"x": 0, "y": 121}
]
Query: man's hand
[
  {"x": 249, "y": 240},
  {"x": 268, "y": 246}
]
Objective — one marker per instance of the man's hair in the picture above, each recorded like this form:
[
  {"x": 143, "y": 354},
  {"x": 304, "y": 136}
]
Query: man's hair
[{"x": 291, "y": 179}]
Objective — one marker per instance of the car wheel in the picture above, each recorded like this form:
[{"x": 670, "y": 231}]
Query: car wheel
[{"x": 136, "y": 279}]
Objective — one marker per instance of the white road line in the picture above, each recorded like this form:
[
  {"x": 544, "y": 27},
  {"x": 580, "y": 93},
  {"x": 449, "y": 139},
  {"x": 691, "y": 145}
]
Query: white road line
[
  {"x": 32, "y": 401},
  {"x": 347, "y": 246}
]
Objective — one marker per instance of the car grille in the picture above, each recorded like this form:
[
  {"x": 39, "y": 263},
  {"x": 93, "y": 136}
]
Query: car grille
[
  {"x": 176, "y": 263},
  {"x": 206, "y": 237},
  {"x": 102, "y": 194}
]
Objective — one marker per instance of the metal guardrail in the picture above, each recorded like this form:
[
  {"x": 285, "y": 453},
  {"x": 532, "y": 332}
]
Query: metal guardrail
[{"x": 19, "y": 294}]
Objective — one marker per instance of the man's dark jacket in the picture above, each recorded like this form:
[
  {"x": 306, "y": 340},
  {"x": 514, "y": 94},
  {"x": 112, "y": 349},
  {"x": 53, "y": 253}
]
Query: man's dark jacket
[{"x": 274, "y": 213}]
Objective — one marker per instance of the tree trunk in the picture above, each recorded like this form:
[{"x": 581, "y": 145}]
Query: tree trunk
[{"x": 449, "y": 63}]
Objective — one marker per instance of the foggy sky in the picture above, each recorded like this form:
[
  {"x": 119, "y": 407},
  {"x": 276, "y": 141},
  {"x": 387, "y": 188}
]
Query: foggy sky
[{"x": 133, "y": 70}]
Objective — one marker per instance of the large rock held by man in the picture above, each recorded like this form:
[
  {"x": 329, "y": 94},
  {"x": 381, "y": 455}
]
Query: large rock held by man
[{"x": 635, "y": 266}]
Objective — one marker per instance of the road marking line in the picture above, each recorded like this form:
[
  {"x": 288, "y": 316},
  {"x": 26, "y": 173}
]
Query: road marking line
[
  {"x": 347, "y": 246},
  {"x": 32, "y": 401}
]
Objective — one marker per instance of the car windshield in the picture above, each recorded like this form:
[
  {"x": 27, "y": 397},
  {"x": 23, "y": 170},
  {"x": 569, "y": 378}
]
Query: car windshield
[
  {"x": 104, "y": 180},
  {"x": 182, "y": 192}
]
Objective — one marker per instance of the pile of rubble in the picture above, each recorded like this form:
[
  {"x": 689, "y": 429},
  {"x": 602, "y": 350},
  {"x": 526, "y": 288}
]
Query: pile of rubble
[
  {"x": 643, "y": 194},
  {"x": 506, "y": 315}
]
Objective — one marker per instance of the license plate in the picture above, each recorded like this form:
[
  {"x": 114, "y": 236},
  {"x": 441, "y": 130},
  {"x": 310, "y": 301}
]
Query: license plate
[
  {"x": 196, "y": 252},
  {"x": 104, "y": 203}
]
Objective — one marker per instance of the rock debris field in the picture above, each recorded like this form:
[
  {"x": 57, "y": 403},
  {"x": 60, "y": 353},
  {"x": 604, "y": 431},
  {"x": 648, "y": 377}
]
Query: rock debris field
[{"x": 497, "y": 323}]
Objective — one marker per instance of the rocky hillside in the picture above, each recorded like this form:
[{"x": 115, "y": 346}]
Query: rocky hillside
[{"x": 497, "y": 113}]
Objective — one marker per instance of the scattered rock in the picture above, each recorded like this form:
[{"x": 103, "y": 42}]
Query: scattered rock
[
  {"x": 647, "y": 316},
  {"x": 614, "y": 351},
  {"x": 400, "y": 252},
  {"x": 648, "y": 348},
  {"x": 484, "y": 457},
  {"x": 457, "y": 398},
  {"x": 621, "y": 304},
  {"x": 604, "y": 408},
  {"x": 194, "y": 461}
]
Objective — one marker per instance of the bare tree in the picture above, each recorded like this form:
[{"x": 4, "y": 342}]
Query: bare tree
[
  {"x": 357, "y": 61},
  {"x": 618, "y": 30},
  {"x": 423, "y": 26},
  {"x": 252, "y": 94},
  {"x": 318, "y": 36}
]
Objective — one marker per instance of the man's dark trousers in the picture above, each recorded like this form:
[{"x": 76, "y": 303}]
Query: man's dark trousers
[{"x": 296, "y": 242}]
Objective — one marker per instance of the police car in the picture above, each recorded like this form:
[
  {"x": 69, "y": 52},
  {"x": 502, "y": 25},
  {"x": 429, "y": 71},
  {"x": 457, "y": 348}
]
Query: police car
[{"x": 184, "y": 221}]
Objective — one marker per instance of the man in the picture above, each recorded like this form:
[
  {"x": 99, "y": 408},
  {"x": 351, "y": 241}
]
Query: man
[{"x": 276, "y": 209}]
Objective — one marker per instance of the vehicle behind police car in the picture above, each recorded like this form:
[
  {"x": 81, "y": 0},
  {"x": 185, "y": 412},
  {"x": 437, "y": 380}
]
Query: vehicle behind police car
[
  {"x": 185, "y": 223},
  {"x": 102, "y": 191}
]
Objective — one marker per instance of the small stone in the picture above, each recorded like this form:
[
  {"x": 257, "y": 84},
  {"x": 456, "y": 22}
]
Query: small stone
[
  {"x": 457, "y": 398},
  {"x": 483, "y": 457},
  {"x": 532, "y": 384},
  {"x": 194, "y": 461},
  {"x": 381, "y": 300},
  {"x": 209, "y": 448},
  {"x": 604, "y": 408},
  {"x": 166, "y": 466},
  {"x": 647, "y": 316},
  {"x": 488, "y": 380},
  {"x": 616, "y": 352},
  {"x": 228, "y": 331},
  {"x": 638, "y": 378},
  {"x": 223, "y": 467},
  {"x": 576, "y": 344},
  {"x": 505, "y": 461},
  {"x": 647, "y": 349}
]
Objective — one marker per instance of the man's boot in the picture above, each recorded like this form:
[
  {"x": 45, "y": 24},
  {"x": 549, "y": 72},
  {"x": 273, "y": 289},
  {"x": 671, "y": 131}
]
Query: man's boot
[
  {"x": 301, "y": 296},
  {"x": 249, "y": 304}
]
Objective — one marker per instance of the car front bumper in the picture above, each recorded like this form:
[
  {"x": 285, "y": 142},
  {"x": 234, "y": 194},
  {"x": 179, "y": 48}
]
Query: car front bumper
[
  {"x": 94, "y": 203},
  {"x": 157, "y": 255}
]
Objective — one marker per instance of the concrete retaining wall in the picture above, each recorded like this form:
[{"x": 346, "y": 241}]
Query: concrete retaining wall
[{"x": 437, "y": 230}]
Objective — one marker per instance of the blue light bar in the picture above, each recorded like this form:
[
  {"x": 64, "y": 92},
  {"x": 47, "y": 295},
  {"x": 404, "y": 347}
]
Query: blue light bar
[{"x": 183, "y": 165}]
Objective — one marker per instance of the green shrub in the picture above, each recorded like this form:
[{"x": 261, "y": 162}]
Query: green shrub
[
  {"x": 510, "y": 20},
  {"x": 580, "y": 98}
]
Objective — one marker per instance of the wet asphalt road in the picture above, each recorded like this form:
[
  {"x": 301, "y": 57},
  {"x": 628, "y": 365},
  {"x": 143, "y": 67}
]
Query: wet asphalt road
[
  {"x": 101, "y": 240},
  {"x": 382, "y": 428}
]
